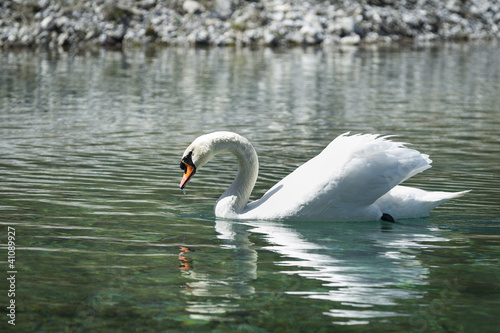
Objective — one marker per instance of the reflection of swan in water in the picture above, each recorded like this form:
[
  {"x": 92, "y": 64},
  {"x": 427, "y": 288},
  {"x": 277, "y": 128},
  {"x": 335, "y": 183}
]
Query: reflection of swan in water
[
  {"x": 364, "y": 270},
  {"x": 222, "y": 284},
  {"x": 354, "y": 178}
]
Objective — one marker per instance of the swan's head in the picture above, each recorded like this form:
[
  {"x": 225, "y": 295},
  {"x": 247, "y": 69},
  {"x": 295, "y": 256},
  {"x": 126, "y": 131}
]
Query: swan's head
[
  {"x": 206, "y": 146},
  {"x": 195, "y": 156}
]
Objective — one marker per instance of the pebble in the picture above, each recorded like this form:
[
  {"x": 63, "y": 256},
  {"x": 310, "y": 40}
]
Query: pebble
[
  {"x": 124, "y": 23},
  {"x": 192, "y": 7},
  {"x": 350, "y": 40}
]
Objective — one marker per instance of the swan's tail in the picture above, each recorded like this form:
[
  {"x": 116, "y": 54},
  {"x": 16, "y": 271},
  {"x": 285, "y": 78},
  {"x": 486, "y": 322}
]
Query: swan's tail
[{"x": 408, "y": 202}]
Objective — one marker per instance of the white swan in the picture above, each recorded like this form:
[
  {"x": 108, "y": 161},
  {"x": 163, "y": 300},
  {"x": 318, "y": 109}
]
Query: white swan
[{"x": 354, "y": 178}]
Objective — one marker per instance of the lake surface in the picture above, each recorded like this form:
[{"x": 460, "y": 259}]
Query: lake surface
[{"x": 105, "y": 241}]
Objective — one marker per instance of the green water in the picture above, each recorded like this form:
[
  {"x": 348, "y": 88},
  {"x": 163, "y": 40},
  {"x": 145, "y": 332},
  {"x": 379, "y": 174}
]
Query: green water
[{"x": 106, "y": 242}]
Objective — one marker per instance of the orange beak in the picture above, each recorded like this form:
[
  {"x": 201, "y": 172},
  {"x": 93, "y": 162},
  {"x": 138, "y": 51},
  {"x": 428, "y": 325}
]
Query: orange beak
[{"x": 189, "y": 171}]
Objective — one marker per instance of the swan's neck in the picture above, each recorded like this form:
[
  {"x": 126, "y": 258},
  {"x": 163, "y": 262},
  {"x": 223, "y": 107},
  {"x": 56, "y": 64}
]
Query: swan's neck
[{"x": 235, "y": 198}]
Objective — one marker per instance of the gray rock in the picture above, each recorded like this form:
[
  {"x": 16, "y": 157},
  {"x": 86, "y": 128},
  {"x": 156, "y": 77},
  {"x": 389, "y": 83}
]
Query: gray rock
[
  {"x": 63, "y": 39},
  {"x": 192, "y": 7},
  {"x": 242, "y": 22},
  {"x": 47, "y": 23},
  {"x": 311, "y": 34},
  {"x": 350, "y": 40},
  {"x": 270, "y": 38},
  {"x": 198, "y": 37},
  {"x": 223, "y": 9}
]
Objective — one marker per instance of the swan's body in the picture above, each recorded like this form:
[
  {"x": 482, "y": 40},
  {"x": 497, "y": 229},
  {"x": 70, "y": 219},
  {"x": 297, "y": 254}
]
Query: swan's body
[{"x": 354, "y": 178}]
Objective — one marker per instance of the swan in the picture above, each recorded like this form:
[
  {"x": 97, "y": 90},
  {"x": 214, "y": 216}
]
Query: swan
[{"x": 355, "y": 178}]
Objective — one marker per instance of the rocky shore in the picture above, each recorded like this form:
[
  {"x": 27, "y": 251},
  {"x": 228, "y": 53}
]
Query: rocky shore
[{"x": 71, "y": 24}]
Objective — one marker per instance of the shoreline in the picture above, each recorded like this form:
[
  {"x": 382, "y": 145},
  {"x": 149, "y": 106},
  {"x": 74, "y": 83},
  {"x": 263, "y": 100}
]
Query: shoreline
[{"x": 78, "y": 25}]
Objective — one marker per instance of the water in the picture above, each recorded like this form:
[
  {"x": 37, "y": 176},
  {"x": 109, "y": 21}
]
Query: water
[{"x": 106, "y": 242}]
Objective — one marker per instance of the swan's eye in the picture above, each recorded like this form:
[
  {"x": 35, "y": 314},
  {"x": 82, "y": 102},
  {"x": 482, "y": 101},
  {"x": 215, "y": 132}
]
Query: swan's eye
[{"x": 187, "y": 160}]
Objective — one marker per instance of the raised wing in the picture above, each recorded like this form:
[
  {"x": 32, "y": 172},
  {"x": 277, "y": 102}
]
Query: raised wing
[{"x": 348, "y": 176}]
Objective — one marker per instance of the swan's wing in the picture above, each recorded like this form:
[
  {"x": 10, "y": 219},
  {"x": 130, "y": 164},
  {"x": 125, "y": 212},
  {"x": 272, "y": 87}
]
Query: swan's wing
[
  {"x": 349, "y": 175},
  {"x": 372, "y": 166}
]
